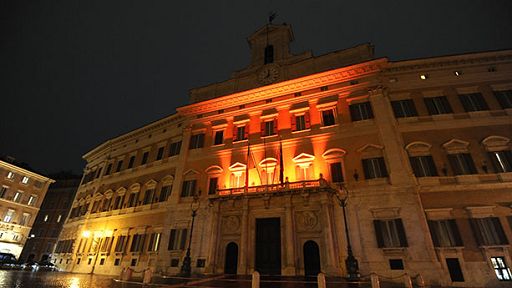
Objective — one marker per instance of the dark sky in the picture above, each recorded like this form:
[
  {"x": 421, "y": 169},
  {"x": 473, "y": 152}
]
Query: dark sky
[{"x": 76, "y": 73}]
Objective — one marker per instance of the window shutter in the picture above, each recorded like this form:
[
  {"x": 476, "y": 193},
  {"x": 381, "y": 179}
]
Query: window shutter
[
  {"x": 307, "y": 120},
  {"x": 382, "y": 166},
  {"x": 366, "y": 168},
  {"x": 416, "y": 166},
  {"x": 499, "y": 230},
  {"x": 246, "y": 131},
  {"x": 433, "y": 232},
  {"x": 192, "y": 188},
  {"x": 353, "y": 113},
  {"x": 274, "y": 122},
  {"x": 465, "y": 103},
  {"x": 183, "y": 238},
  {"x": 454, "y": 164},
  {"x": 481, "y": 102},
  {"x": 447, "y": 108},
  {"x": 401, "y": 233},
  {"x": 476, "y": 231},
  {"x": 429, "y": 102},
  {"x": 263, "y": 128},
  {"x": 235, "y": 133},
  {"x": 397, "y": 109},
  {"x": 412, "y": 108},
  {"x": 201, "y": 141},
  {"x": 432, "y": 166},
  {"x": 294, "y": 122},
  {"x": 469, "y": 163},
  {"x": 172, "y": 238},
  {"x": 456, "y": 233},
  {"x": 378, "y": 233}
]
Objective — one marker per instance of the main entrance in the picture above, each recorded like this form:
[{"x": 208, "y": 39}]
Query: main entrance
[
  {"x": 268, "y": 246},
  {"x": 231, "y": 263},
  {"x": 311, "y": 258}
]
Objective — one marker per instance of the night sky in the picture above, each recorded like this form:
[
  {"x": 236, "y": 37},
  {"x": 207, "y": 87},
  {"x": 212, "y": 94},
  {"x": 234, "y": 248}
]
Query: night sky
[{"x": 76, "y": 73}]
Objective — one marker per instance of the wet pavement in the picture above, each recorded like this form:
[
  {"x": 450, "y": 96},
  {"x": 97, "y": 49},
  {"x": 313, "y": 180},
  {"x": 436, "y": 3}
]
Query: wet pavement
[{"x": 27, "y": 279}]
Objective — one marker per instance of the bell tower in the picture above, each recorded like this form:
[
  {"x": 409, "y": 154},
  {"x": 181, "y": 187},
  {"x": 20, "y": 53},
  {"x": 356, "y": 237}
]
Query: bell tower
[{"x": 270, "y": 44}]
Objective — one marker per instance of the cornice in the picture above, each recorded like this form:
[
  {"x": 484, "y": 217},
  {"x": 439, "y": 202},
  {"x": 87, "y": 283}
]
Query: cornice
[
  {"x": 285, "y": 87},
  {"x": 449, "y": 61}
]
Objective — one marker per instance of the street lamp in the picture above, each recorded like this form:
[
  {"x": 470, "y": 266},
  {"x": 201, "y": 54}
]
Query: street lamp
[
  {"x": 185, "y": 268},
  {"x": 351, "y": 261},
  {"x": 96, "y": 240}
]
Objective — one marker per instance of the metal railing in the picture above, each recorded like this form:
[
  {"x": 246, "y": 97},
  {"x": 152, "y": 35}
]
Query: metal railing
[{"x": 270, "y": 188}]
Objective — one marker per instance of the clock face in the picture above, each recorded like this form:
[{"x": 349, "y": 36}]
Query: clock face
[{"x": 268, "y": 74}]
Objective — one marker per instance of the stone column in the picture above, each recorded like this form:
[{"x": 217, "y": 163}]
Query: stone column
[
  {"x": 290, "y": 244},
  {"x": 330, "y": 248},
  {"x": 214, "y": 235},
  {"x": 243, "y": 266},
  {"x": 396, "y": 159}
]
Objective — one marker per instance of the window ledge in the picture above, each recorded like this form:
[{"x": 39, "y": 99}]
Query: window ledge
[
  {"x": 330, "y": 126},
  {"x": 301, "y": 131},
  {"x": 240, "y": 141},
  {"x": 269, "y": 136},
  {"x": 218, "y": 145},
  {"x": 394, "y": 251},
  {"x": 377, "y": 181}
]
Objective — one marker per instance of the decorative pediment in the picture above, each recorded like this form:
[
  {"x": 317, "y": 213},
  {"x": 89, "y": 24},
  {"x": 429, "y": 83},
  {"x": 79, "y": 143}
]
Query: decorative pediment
[
  {"x": 121, "y": 191},
  {"x": 191, "y": 172},
  {"x": 334, "y": 153},
  {"x": 97, "y": 196},
  {"x": 108, "y": 194},
  {"x": 150, "y": 184},
  {"x": 368, "y": 148},
  {"x": 214, "y": 169},
  {"x": 237, "y": 167},
  {"x": 303, "y": 158},
  {"x": 135, "y": 187},
  {"x": 418, "y": 148},
  {"x": 496, "y": 143},
  {"x": 167, "y": 179},
  {"x": 456, "y": 146},
  {"x": 268, "y": 162}
]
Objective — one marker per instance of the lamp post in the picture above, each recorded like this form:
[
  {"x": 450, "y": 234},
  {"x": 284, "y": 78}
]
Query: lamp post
[
  {"x": 186, "y": 269},
  {"x": 351, "y": 261}
]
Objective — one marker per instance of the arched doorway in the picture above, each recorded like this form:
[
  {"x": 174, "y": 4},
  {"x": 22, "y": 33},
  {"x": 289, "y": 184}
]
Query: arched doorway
[
  {"x": 311, "y": 258},
  {"x": 231, "y": 263}
]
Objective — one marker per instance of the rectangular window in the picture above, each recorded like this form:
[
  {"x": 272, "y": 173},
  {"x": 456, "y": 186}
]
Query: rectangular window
[
  {"x": 24, "y": 180},
  {"x": 361, "y": 111},
  {"x": 301, "y": 122},
  {"x": 59, "y": 218},
  {"x": 473, "y": 102},
  {"x": 3, "y": 191},
  {"x": 454, "y": 269},
  {"x": 9, "y": 215},
  {"x": 10, "y": 175},
  {"x": 25, "y": 219},
  {"x": 106, "y": 244},
  {"x": 374, "y": 168},
  {"x": 174, "y": 148},
  {"x": 121, "y": 243},
  {"x": 336, "y": 172},
  {"x": 390, "y": 233},
  {"x": 219, "y": 137},
  {"x": 177, "y": 239},
  {"x": 328, "y": 118},
  {"x": 144, "y": 158},
  {"x": 438, "y": 105},
  {"x": 241, "y": 133},
  {"x": 462, "y": 164},
  {"x": 165, "y": 192},
  {"x": 404, "y": 108},
  {"x": 504, "y": 98},
  {"x": 196, "y": 141},
  {"x": 488, "y": 231},
  {"x": 445, "y": 233},
  {"x": 32, "y": 200},
  {"x": 98, "y": 172},
  {"x": 133, "y": 199},
  {"x": 268, "y": 128},
  {"x": 212, "y": 185},
  {"x": 131, "y": 161},
  {"x": 501, "y": 269},
  {"x": 109, "y": 169},
  {"x": 423, "y": 166},
  {"x": 148, "y": 196},
  {"x": 119, "y": 165},
  {"x": 137, "y": 243},
  {"x": 160, "y": 153},
  {"x": 188, "y": 188},
  {"x": 154, "y": 242},
  {"x": 17, "y": 197},
  {"x": 501, "y": 161}
]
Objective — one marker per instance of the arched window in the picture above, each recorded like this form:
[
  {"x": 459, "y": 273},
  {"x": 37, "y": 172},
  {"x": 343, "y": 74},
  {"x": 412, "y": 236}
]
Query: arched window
[
  {"x": 237, "y": 179},
  {"x": 334, "y": 158},
  {"x": 500, "y": 152},
  {"x": 304, "y": 168},
  {"x": 268, "y": 168},
  {"x": 214, "y": 172},
  {"x": 269, "y": 54}
]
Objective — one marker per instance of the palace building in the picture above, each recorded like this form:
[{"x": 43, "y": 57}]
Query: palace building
[
  {"x": 296, "y": 155},
  {"x": 21, "y": 193}
]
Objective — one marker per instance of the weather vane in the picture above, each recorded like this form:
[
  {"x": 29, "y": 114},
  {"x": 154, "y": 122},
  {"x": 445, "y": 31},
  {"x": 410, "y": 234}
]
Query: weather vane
[{"x": 272, "y": 15}]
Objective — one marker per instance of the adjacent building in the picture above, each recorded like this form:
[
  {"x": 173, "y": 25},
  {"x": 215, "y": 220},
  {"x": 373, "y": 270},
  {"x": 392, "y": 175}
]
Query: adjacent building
[
  {"x": 418, "y": 150},
  {"x": 21, "y": 194},
  {"x": 50, "y": 219}
]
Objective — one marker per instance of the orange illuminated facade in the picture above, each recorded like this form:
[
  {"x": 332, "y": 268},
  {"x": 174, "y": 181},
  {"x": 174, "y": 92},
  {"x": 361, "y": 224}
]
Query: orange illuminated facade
[{"x": 424, "y": 161}]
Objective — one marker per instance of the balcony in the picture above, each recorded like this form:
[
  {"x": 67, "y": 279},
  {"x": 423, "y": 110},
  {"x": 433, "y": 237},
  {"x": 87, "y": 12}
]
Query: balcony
[{"x": 285, "y": 188}]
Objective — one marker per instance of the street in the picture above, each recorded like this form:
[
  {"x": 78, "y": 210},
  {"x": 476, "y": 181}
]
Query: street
[{"x": 27, "y": 279}]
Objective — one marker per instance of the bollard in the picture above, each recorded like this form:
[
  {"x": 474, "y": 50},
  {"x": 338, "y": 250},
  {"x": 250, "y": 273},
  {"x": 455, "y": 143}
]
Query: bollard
[
  {"x": 122, "y": 273},
  {"x": 128, "y": 274},
  {"x": 420, "y": 282},
  {"x": 375, "y": 280},
  {"x": 407, "y": 281},
  {"x": 255, "y": 279},
  {"x": 321, "y": 280},
  {"x": 148, "y": 274}
]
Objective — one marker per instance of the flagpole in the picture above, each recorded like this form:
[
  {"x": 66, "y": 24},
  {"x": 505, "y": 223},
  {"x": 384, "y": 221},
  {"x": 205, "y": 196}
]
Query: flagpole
[
  {"x": 281, "y": 164},
  {"x": 247, "y": 168}
]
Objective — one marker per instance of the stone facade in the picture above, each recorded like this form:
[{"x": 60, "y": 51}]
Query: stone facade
[
  {"x": 419, "y": 149},
  {"x": 21, "y": 194}
]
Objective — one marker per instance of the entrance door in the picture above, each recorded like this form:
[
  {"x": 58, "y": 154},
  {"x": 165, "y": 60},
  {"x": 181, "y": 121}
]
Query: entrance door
[
  {"x": 454, "y": 269},
  {"x": 268, "y": 246},
  {"x": 231, "y": 262},
  {"x": 311, "y": 258}
]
